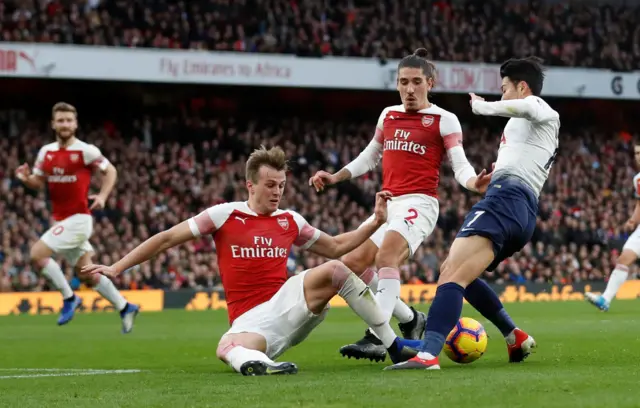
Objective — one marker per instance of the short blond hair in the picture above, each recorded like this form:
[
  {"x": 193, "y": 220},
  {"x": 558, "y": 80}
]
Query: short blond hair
[
  {"x": 274, "y": 158},
  {"x": 63, "y": 107}
]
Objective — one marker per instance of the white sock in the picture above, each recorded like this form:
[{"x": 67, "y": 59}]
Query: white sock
[
  {"x": 108, "y": 290},
  {"x": 361, "y": 300},
  {"x": 239, "y": 355},
  {"x": 402, "y": 312},
  {"x": 616, "y": 279},
  {"x": 370, "y": 278},
  {"x": 53, "y": 272},
  {"x": 388, "y": 290}
]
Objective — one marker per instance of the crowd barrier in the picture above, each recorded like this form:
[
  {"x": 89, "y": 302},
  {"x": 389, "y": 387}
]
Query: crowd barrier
[{"x": 14, "y": 303}]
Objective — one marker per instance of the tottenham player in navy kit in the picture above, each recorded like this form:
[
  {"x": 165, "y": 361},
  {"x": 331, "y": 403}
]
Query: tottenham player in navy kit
[{"x": 504, "y": 221}]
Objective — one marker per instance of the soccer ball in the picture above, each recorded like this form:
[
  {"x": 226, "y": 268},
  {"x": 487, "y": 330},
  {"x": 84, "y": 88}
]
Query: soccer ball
[{"x": 467, "y": 342}]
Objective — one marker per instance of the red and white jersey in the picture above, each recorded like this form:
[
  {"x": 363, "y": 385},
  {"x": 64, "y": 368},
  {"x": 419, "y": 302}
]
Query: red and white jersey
[
  {"x": 412, "y": 146},
  {"x": 67, "y": 171},
  {"x": 252, "y": 250}
]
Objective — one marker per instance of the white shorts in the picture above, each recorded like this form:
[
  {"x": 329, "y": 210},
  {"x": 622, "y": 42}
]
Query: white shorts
[
  {"x": 284, "y": 320},
  {"x": 633, "y": 243},
  {"x": 70, "y": 237},
  {"x": 413, "y": 216}
]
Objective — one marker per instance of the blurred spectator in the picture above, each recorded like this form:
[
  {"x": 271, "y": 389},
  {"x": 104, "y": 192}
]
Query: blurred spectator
[
  {"x": 584, "y": 204},
  {"x": 562, "y": 33}
]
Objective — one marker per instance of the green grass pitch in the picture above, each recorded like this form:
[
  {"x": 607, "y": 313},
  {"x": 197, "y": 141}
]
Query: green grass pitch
[{"x": 585, "y": 358}]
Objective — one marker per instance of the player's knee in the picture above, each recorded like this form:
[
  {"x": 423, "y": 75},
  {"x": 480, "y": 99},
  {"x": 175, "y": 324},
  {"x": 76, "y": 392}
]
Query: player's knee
[
  {"x": 91, "y": 280},
  {"x": 37, "y": 256},
  {"x": 40, "y": 263},
  {"x": 627, "y": 257},
  {"x": 339, "y": 273},
  {"x": 224, "y": 346}
]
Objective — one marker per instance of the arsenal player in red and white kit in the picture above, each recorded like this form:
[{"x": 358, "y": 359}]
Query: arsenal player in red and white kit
[
  {"x": 411, "y": 139},
  {"x": 269, "y": 313},
  {"x": 66, "y": 166}
]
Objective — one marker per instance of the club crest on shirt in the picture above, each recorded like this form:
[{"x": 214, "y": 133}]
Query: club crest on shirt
[
  {"x": 284, "y": 223},
  {"x": 427, "y": 120},
  {"x": 74, "y": 157}
]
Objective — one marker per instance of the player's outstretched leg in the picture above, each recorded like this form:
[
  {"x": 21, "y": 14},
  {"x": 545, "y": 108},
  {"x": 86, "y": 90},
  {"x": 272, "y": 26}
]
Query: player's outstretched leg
[
  {"x": 617, "y": 278},
  {"x": 41, "y": 258},
  {"x": 468, "y": 258},
  {"x": 411, "y": 322},
  {"x": 105, "y": 287},
  {"x": 244, "y": 352},
  {"x": 480, "y": 295},
  {"x": 370, "y": 346},
  {"x": 334, "y": 278}
]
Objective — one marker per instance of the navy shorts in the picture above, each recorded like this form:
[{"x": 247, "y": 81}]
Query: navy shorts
[{"x": 506, "y": 215}]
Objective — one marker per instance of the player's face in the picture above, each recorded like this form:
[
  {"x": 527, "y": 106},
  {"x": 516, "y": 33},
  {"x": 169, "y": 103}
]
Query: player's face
[
  {"x": 637, "y": 154},
  {"x": 268, "y": 190},
  {"x": 64, "y": 124},
  {"x": 512, "y": 91},
  {"x": 414, "y": 88}
]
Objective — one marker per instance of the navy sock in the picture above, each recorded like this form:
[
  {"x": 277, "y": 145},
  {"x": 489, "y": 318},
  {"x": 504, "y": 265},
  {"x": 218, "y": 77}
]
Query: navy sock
[
  {"x": 399, "y": 343},
  {"x": 444, "y": 313},
  {"x": 480, "y": 295}
]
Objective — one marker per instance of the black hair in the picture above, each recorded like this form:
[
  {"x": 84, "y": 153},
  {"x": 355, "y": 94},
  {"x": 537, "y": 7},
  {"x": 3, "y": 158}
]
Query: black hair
[
  {"x": 419, "y": 60},
  {"x": 529, "y": 70}
]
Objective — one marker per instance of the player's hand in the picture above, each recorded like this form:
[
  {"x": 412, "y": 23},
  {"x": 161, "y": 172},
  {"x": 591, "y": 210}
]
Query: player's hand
[
  {"x": 98, "y": 202},
  {"x": 380, "y": 210},
  {"x": 23, "y": 172},
  {"x": 630, "y": 225},
  {"x": 474, "y": 97},
  {"x": 321, "y": 180},
  {"x": 92, "y": 269},
  {"x": 482, "y": 181}
]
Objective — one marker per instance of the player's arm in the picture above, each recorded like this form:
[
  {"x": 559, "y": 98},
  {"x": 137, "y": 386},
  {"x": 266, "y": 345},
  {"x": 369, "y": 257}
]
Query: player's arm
[
  {"x": 109, "y": 178},
  {"x": 334, "y": 247},
  {"x": 463, "y": 171},
  {"x": 34, "y": 180},
  {"x": 158, "y": 243},
  {"x": 95, "y": 160},
  {"x": 366, "y": 161},
  {"x": 202, "y": 224},
  {"x": 528, "y": 108}
]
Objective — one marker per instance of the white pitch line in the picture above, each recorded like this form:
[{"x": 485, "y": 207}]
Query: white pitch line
[
  {"x": 76, "y": 372},
  {"x": 52, "y": 369}
]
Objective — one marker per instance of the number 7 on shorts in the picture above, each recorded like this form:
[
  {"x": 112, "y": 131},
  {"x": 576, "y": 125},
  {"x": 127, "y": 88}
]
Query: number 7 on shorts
[{"x": 474, "y": 219}]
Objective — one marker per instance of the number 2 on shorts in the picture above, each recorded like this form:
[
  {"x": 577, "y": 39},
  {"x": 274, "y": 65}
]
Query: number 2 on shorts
[{"x": 475, "y": 218}]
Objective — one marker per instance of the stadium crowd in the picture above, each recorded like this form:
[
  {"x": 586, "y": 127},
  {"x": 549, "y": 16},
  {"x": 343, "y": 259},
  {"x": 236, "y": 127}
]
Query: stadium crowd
[
  {"x": 574, "y": 34},
  {"x": 161, "y": 182}
]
